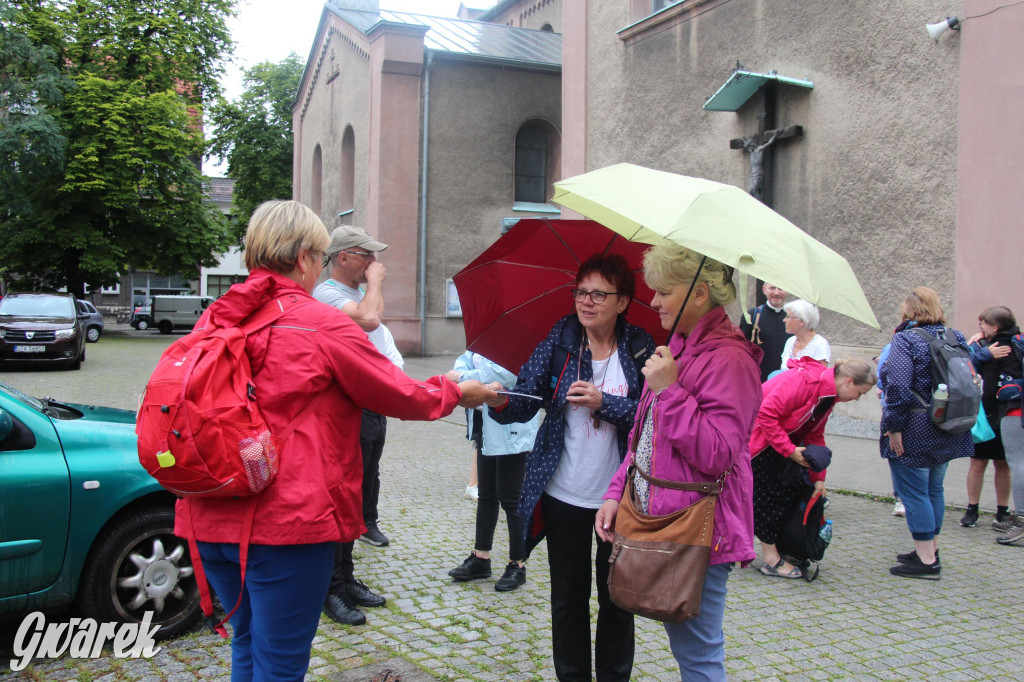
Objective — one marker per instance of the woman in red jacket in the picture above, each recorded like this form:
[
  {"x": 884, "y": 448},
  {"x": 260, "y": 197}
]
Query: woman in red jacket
[
  {"x": 313, "y": 352},
  {"x": 795, "y": 407}
]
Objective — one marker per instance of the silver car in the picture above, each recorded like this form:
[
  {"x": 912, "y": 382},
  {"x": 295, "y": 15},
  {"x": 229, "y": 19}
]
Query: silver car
[{"x": 93, "y": 320}]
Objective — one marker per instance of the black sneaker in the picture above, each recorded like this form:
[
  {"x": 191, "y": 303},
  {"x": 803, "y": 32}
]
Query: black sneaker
[
  {"x": 375, "y": 538},
  {"x": 514, "y": 576},
  {"x": 472, "y": 568},
  {"x": 341, "y": 611},
  {"x": 361, "y": 595},
  {"x": 918, "y": 570},
  {"x": 912, "y": 558},
  {"x": 970, "y": 519}
]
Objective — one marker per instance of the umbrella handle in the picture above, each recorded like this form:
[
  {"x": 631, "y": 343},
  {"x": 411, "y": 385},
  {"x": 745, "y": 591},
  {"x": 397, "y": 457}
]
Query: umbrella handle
[{"x": 703, "y": 259}]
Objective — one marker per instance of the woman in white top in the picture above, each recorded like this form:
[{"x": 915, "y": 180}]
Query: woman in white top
[{"x": 801, "y": 321}]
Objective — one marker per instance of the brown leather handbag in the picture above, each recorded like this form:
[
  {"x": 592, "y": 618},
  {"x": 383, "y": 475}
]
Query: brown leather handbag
[{"x": 658, "y": 563}]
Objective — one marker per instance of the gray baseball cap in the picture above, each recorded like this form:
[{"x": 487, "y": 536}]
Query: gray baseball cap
[{"x": 349, "y": 236}]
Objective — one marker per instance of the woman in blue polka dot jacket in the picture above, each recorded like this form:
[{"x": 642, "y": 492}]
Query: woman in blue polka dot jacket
[
  {"x": 590, "y": 398},
  {"x": 918, "y": 451}
]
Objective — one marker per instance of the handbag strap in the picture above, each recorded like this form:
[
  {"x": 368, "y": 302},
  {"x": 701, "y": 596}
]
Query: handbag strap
[{"x": 706, "y": 487}]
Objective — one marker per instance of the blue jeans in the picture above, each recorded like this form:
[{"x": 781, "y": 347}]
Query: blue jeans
[
  {"x": 920, "y": 490},
  {"x": 698, "y": 644},
  {"x": 274, "y": 626}
]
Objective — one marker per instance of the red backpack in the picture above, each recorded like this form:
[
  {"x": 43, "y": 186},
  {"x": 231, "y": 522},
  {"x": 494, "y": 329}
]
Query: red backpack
[{"x": 200, "y": 430}]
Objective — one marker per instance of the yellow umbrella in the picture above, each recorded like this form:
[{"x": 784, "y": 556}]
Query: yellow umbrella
[{"x": 718, "y": 221}]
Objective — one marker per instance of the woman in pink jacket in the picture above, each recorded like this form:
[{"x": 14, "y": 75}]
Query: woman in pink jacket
[
  {"x": 695, "y": 421},
  {"x": 793, "y": 414}
]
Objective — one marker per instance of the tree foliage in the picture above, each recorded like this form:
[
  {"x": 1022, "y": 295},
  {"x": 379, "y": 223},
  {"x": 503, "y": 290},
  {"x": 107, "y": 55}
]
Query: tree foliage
[
  {"x": 254, "y": 134},
  {"x": 107, "y": 175}
]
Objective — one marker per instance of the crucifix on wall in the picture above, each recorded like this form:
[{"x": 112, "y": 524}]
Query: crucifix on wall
[
  {"x": 734, "y": 94},
  {"x": 759, "y": 145}
]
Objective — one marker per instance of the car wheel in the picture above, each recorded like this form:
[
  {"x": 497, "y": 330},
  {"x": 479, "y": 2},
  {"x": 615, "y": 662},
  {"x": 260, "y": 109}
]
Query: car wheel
[
  {"x": 140, "y": 565},
  {"x": 166, "y": 327},
  {"x": 77, "y": 364},
  {"x": 142, "y": 325},
  {"x": 92, "y": 335}
]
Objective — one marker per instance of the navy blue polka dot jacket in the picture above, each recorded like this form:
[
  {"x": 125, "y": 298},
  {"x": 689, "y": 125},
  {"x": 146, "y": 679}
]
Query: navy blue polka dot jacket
[{"x": 535, "y": 379}]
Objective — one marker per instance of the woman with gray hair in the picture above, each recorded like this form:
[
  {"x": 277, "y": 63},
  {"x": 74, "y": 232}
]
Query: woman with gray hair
[{"x": 802, "y": 322}]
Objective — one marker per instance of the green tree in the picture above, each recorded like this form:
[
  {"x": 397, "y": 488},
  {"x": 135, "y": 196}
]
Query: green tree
[
  {"x": 254, "y": 134},
  {"x": 124, "y": 188},
  {"x": 32, "y": 146}
]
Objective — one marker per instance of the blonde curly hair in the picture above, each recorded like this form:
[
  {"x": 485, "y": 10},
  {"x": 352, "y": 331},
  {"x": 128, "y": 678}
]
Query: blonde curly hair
[{"x": 667, "y": 265}]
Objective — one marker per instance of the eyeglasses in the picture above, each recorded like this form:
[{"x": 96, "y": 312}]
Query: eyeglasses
[
  {"x": 326, "y": 259},
  {"x": 597, "y": 296},
  {"x": 365, "y": 254}
]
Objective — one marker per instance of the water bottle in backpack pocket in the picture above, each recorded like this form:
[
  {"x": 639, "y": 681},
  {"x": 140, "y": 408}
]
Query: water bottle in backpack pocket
[{"x": 956, "y": 387}]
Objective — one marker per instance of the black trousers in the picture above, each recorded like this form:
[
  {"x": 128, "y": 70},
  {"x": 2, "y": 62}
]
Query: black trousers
[
  {"x": 343, "y": 572},
  {"x": 500, "y": 480},
  {"x": 371, "y": 440},
  {"x": 570, "y": 537}
]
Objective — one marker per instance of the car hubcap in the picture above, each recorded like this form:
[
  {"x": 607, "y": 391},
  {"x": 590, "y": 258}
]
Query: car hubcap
[{"x": 158, "y": 576}]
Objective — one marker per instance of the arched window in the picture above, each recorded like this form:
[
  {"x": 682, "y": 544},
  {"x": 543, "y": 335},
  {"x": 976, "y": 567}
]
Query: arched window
[
  {"x": 317, "y": 180},
  {"x": 547, "y": 28},
  {"x": 536, "y": 161},
  {"x": 348, "y": 170}
]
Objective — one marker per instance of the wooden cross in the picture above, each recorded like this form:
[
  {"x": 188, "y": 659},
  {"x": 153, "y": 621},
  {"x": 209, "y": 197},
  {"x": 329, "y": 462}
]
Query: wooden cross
[
  {"x": 760, "y": 145},
  {"x": 760, "y": 148}
]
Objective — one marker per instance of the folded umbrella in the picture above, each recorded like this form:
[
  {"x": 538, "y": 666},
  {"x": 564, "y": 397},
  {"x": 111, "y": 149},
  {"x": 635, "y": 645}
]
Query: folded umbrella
[{"x": 718, "y": 221}]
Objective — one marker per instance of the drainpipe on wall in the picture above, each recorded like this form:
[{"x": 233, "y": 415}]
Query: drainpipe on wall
[{"x": 423, "y": 205}]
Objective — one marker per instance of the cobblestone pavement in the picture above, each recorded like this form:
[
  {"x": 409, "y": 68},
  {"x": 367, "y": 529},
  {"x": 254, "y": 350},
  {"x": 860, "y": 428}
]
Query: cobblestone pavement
[{"x": 855, "y": 622}]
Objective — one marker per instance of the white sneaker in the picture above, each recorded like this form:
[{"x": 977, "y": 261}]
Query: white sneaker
[
  {"x": 472, "y": 492},
  {"x": 898, "y": 509}
]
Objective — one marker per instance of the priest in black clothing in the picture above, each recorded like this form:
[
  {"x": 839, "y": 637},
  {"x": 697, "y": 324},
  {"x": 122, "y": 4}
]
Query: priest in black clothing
[{"x": 767, "y": 328}]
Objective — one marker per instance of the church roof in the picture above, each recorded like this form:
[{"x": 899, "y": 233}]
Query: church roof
[{"x": 470, "y": 39}]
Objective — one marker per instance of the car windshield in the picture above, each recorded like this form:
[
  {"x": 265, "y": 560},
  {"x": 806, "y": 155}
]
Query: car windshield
[
  {"x": 37, "y": 306},
  {"x": 34, "y": 403}
]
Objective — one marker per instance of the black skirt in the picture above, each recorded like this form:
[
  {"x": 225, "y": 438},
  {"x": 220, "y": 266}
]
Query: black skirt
[{"x": 772, "y": 497}]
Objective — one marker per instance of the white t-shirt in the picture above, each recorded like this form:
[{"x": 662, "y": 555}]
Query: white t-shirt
[
  {"x": 816, "y": 348},
  {"x": 590, "y": 455},
  {"x": 334, "y": 293}
]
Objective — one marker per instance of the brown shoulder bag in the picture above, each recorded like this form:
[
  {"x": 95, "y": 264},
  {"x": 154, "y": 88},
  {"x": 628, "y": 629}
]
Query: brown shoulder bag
[{"x": 658, "y": 563}]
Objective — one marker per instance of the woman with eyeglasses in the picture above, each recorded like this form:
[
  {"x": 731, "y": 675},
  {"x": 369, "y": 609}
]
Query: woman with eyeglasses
[
  {"x": 587, "y": 374},
  {"x": 315, "y": 371},
  {"x": 802, "y": 322}
]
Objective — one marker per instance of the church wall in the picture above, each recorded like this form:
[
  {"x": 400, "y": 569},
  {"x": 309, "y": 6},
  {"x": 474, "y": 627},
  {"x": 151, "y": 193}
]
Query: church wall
[
  {"x": 475, "y": 112},
  {"x": 337, "y": 95},
  {"x": 874, "y": 175}
]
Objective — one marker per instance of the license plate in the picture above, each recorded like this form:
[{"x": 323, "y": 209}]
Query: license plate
[{"x": 30, "y": 349}]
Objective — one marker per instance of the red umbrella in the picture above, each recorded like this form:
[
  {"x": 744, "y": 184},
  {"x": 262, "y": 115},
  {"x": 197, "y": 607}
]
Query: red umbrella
[{"x": 513, "y": 292}]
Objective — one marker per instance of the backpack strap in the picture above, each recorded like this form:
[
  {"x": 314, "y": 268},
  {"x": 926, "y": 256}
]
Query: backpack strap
[
  {"x": 559, "y": 358},
  {"x": 929, "y": 337},
  {"x": 271, "y": 312}
]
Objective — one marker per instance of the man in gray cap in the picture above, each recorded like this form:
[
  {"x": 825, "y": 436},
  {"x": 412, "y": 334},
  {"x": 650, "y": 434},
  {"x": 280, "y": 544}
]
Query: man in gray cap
[{"x": 353, "y": 261}]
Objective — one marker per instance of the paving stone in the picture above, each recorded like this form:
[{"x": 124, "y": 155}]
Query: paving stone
[{"x": 854, "y": 622}]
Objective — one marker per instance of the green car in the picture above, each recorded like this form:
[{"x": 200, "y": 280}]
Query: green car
[{"x": 82, "y": 522}]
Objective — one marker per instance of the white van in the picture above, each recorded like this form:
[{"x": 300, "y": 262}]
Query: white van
[{"x": 177, "y": 312}]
